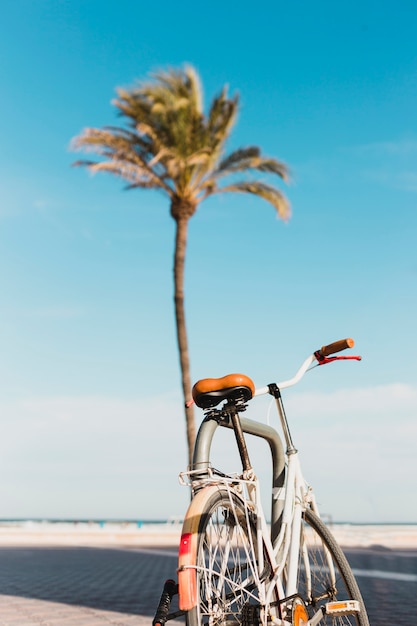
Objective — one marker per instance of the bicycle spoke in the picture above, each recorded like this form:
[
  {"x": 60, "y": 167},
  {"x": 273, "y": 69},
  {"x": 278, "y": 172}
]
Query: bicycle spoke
[
  {"x": 227, "y": 565},
  {"x": 325, "y": 575}
]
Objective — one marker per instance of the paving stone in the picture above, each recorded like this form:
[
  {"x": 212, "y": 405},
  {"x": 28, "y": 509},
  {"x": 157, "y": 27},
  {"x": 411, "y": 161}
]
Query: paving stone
[{"x": 46, "y": 586}]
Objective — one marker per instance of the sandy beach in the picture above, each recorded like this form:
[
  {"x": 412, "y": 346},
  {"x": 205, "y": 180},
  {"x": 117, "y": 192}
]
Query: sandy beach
[{"x": 133, "y": 535}]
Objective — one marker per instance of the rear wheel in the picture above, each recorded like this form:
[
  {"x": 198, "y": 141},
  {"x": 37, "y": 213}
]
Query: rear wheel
[
  {"x": 325, "y": 574},
  {"x": 230, "y": 585}
]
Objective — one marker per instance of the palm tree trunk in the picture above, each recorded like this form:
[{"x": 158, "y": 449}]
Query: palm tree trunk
[{"x": 179, "y": 263}]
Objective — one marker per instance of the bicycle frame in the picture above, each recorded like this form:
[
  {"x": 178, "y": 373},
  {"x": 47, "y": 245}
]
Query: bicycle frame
[
  {"x": 292, "y": 497},
  {"x": 201, "y": 459},
  {"x": 290, "y": 492}
]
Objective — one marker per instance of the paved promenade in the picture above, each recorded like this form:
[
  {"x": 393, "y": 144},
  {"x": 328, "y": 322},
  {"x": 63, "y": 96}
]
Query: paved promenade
[
  {"x": 81, "y": 586},
  {"x": 88, "y": 575}
]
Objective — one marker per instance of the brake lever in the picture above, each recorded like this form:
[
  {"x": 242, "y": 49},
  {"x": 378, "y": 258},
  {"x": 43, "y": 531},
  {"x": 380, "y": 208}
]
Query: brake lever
[{"x": 323, "y": 360}]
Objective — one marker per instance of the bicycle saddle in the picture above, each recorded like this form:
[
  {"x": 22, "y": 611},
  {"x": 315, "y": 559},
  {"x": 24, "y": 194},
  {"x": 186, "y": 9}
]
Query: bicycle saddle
[{"x": 209, "y": 392}]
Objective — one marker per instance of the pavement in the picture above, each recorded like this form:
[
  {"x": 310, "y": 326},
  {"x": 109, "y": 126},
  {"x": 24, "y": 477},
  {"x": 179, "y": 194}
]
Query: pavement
[
  {"x": 90, "y": 575},
  {"x": 83, "y": 586}
]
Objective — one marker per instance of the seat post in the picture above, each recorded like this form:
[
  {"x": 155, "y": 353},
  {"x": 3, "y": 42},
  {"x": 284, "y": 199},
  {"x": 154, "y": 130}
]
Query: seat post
[{"x": 232, "y": 410}]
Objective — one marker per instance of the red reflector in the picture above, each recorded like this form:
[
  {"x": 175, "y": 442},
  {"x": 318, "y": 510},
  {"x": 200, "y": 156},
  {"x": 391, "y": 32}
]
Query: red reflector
[{"x": 185, "y": 544}]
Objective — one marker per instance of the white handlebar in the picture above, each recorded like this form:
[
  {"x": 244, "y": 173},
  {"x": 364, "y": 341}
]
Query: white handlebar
[{"x": 292, "y": 381}]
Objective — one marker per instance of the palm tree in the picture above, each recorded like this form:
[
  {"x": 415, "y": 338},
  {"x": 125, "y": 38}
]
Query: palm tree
[{"x": 171, "y": 145}]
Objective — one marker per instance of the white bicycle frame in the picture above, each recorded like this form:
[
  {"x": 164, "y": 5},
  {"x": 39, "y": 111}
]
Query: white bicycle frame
[
  {"x": 297, "y": 495},
  {"x": 283, "y": 551}
]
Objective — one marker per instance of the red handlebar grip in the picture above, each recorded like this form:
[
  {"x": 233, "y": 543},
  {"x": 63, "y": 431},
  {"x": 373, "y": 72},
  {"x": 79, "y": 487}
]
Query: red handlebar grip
[{"x": 336, "y": 346}]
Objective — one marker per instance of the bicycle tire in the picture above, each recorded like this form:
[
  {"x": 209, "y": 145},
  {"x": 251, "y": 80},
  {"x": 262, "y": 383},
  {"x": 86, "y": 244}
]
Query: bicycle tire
[
  {"x": 314, "y": 558},
  {"x": 229, "y": 585}
]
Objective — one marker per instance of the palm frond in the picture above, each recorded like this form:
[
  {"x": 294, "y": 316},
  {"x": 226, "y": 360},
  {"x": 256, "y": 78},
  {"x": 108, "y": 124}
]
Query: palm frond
[
  {"x": 250, "y": 159},
  {"x": 251, "y": 152},
  {"x": 221, "y": 118},
  {"x": 124, "y": 158},
  {"x": 140, "y": 177},
  {"x": 262, "y": 190},
  {"x": 183, "y": 82}
]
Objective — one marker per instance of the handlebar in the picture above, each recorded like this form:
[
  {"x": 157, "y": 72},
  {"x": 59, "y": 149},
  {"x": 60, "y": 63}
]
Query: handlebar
[
  {"x": 321, "y": 356},
  {"x": 336, "y": 346}
]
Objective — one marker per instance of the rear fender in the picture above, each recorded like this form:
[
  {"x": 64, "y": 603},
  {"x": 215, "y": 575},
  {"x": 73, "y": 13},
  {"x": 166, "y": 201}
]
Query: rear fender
[{"x": 187, "y": 556}]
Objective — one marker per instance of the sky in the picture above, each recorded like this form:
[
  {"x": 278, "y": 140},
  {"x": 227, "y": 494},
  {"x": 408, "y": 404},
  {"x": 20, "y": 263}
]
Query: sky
[{"x": 91, "y": 411}]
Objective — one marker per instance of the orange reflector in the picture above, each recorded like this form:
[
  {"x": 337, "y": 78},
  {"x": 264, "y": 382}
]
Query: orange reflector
[
  {"x": 345, "y": 607},
  {"x": 187, "y": 575},
  {"x": 300, "y": 615}
]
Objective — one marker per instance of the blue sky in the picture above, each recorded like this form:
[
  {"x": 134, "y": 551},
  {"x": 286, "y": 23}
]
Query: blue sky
[{"x": 90, "y": 404}]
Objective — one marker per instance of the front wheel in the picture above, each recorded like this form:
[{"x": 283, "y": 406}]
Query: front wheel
[{"x": 325, "y": 574}]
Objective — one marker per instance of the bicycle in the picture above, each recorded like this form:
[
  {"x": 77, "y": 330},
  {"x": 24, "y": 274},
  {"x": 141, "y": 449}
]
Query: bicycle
[{"x": 234, "y": 569}]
